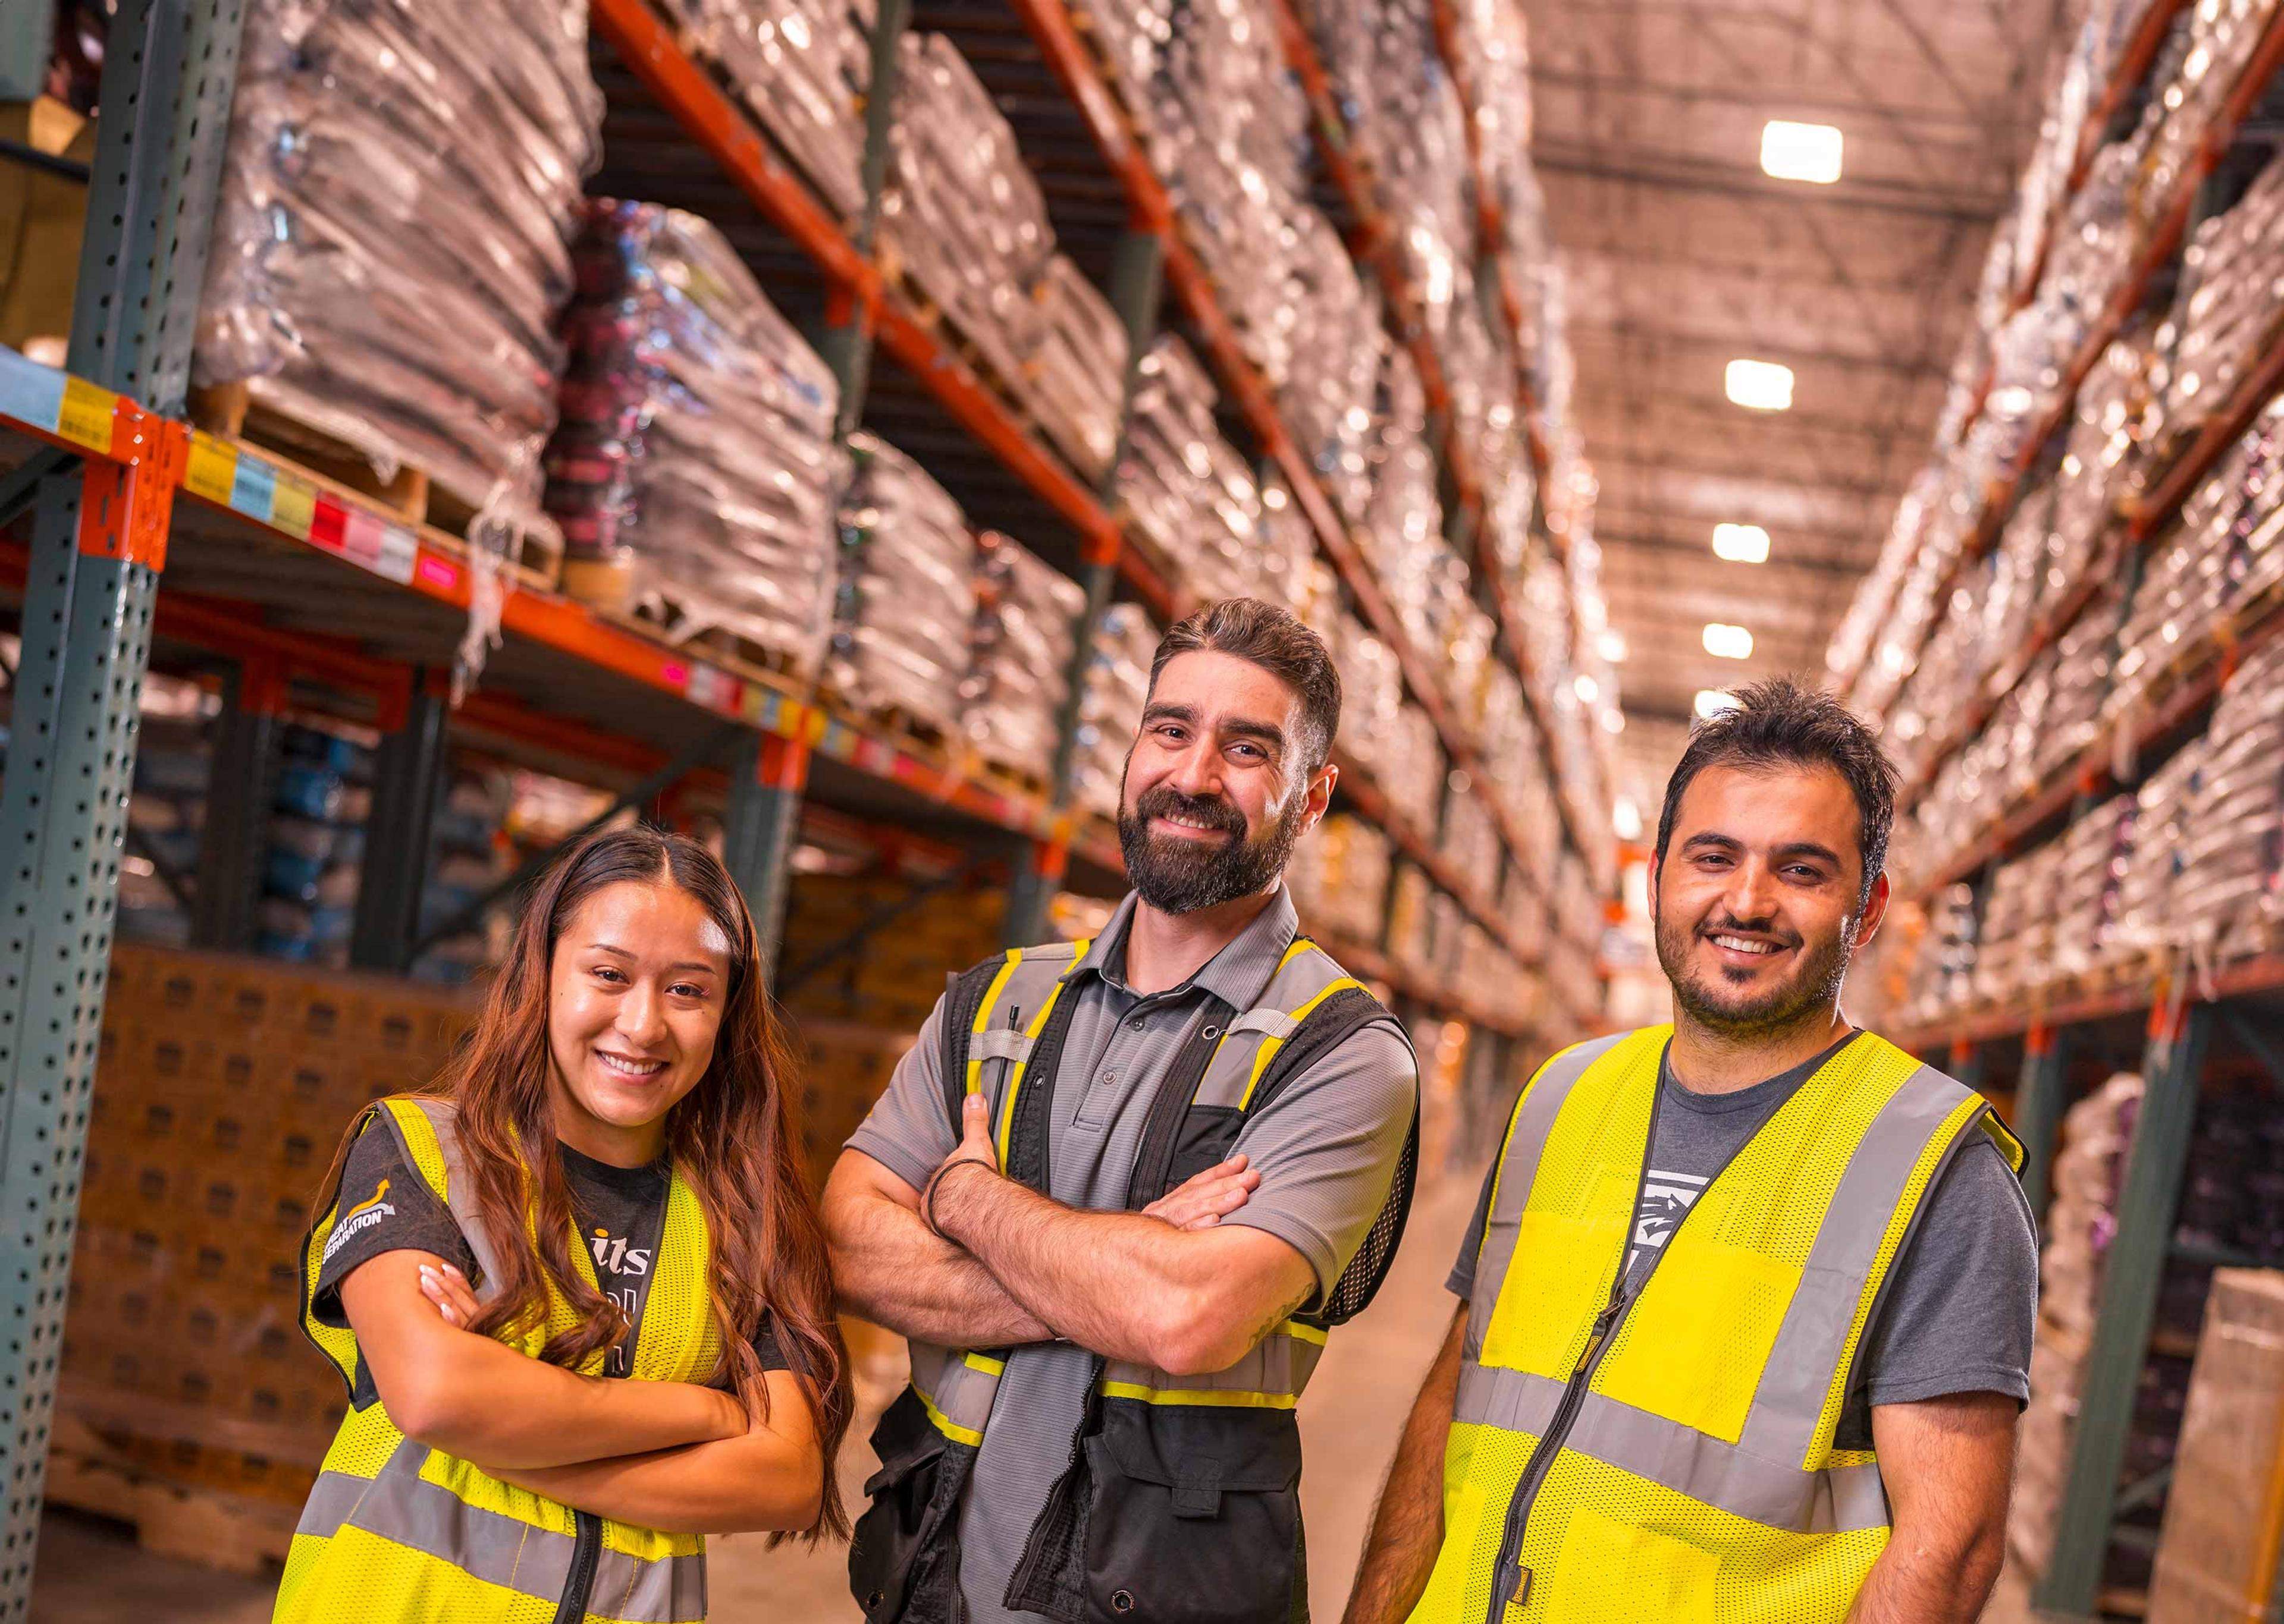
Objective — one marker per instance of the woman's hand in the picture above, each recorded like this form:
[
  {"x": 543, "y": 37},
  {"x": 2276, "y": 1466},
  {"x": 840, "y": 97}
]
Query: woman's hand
[{"x": 448, "y": 1288}]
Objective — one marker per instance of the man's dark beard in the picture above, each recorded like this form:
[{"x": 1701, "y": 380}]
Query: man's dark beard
[
  {"x": 1814, "y": 985},
  {"x": 1176, "y": 876}
]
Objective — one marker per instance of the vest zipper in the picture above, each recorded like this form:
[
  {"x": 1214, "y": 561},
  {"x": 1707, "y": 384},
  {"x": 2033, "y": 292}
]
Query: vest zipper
[
  {"x": 1574, "y": 1390},
  {"x": 586, "y": 1551}
]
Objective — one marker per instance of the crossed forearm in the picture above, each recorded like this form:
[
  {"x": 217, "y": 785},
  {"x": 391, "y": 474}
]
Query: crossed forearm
[
  {"x": 894, "y": 1272},
  {"x": 1123, "y": 1284}
]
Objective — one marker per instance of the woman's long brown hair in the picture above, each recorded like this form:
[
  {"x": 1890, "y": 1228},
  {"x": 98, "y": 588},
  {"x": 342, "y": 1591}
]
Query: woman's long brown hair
[{"x": 734, "y": 1139}]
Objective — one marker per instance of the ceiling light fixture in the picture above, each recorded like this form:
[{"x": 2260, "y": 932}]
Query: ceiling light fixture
[
  {"x": 1612, "y": 646},
  {"x": 1586, "y": 687},
  {"x": 1614, "y": 720},
  {"x": 1626, "y": 819},
  {"x": 1763, "y": 385},
  {"x": 1791, "y": 152},
  {"x": 1728, "y": 641},
  {"x": 1712, "y": 702},
  {"x": 1740, "y": 544}
]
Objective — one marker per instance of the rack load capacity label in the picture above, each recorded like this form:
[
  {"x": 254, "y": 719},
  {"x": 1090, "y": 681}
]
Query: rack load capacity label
[{"x": 55, "y": 402}]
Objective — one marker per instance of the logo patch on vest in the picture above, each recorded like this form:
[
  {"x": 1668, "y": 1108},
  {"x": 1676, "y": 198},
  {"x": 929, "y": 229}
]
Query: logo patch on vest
[{"x": 361, "y": 1216}]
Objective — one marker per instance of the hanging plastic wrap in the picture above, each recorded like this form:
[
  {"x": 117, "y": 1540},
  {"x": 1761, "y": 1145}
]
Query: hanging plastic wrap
[
  {"x": 905, "y": 609},
  {"x": 1026, "y": 629},
  {"x": 391, "y": 249},
  {"x": 1110, "y": 704},
  {"x": 962, "y": 215},
  {"x": 801, "y": 67},
  {"x": 696, "y": 471}
]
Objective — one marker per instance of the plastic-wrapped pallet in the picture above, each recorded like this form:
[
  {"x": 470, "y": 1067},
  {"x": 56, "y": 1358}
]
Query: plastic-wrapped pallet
[
  {"x": 1411, "y": 770},
  {"x": 1404, "y": 519},
  {"x": 2146, "y": 926},
  {"x": 803, "y": 68},
  {"x": 2103, "y": 459},
  {"x": 2094, "y": 854},
  {"x": 315, "y": 862},
  {"x": 1026, "y": 635},
  {"x": 2087, "y": 1170},
  {"x": 696, "y": 469},
  {"x": 2072, "y": 718},
  {"x": 1410, "y": 899},
  {"x": 1110, "y": 708},
  {"x": 904, "y": 610},
  {"x": 1075, "y": 380},
  {"x": 1943, "y": 974},
  {"x": 1470, "y": 838},
  {"x": 2227, "y": 306},
  {"x": 2186, "y": 584},
  {"x": 468, "y": 856},
  {"x": 166, "y": 814},
  {"x": 1186, "y": 486},
  {"x": 962, "y": 213},
  {"x": 1326, "y": 393},
  {"x": 1372, "y": 692},
  {"x": 1340, "y": 878},
  {"x": 391, "y": 245},
  {"x": 2206, "y": 67},
  {"x": 2226, "y": 902},
  {"x": 1523, "y": 905},
  {"x": 1286, "y": 570},
  {"x": 2016, "y": 955}
]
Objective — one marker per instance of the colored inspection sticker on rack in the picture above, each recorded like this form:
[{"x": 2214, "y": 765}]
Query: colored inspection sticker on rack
[
  {"x": 363, "y": 538},
  {"x": 55, "y": 402}
]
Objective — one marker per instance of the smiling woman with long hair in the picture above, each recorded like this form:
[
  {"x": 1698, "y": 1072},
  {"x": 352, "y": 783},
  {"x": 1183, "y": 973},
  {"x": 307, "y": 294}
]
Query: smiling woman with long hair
[{"x": 578, "y": 1288}]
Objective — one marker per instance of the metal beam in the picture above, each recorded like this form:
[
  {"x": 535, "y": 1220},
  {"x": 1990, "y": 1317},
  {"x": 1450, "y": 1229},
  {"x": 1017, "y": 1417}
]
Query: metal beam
[
  {"x": 2041, "y": 1095},
  {"x": 1771, "y": 103},
  {"x": 235, "y": 838},
  {"x": 408, "y": 785},
  {"x": 2131, "y": 1273},
  {"x": 169, "y": 69},
  {"x": 1791, "y": 354},
  {"x": 1702, "y": 551},
  {"x": 761, "y": 825},
  {"x": 1680, "y": 172}
]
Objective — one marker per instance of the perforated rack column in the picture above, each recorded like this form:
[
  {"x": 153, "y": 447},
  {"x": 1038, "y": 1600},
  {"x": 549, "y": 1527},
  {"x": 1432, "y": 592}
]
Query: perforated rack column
[{"x": 98, "y": 542}]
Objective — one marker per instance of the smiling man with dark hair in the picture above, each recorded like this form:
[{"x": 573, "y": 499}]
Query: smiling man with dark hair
[
  {"x": 1120, "y": 1190},
  {"x": 1746, "y": 1305}
]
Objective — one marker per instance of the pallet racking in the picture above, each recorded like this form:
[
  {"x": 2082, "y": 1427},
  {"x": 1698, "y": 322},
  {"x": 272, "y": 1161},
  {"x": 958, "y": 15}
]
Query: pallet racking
[{"x": 301, "y": 585}]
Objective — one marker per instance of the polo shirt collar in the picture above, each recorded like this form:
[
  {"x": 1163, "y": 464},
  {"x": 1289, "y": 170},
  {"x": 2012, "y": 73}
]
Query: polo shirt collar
[{"x": 1236, "y": 975}]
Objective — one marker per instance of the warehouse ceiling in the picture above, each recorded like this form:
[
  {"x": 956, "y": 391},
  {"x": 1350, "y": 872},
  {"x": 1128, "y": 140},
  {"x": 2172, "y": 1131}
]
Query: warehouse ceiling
[{"x": 1683, "y": 255}]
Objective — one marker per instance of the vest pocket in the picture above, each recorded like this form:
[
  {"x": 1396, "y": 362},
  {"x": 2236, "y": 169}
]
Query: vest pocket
[
  {"x": 898, "y": 1568},
  {"x": 1662, "y": 1577},
  {"x": 1207, "y": 1136},
  {"x": 1220, "y": 1484}
]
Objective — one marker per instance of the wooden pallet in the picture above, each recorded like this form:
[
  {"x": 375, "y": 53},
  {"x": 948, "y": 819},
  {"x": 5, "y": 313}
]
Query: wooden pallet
[
  {"x": 619, "y": 592},
  {"x": 210, "y": 1526},
  {"x": 230, "y": 411},
  {"x": 1008, "y": 780}
]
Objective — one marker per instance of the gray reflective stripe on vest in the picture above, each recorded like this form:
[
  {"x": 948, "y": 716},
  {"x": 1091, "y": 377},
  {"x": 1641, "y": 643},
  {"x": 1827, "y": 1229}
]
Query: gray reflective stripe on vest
[
  {"x": 461, "y": 1191},
  {"x": 1724, "y": 1475},
  {"x": 1788, "y": 1406},
  {"x": 1022, "y": 995},
  {"x": 1526, "y": 1141},
  {"x": 400, "y": 1506},
  {"x": 959, "y": 1385},
  {"x": 1280, "y": 1363},
  {"x": 1228, "y": 1073}
]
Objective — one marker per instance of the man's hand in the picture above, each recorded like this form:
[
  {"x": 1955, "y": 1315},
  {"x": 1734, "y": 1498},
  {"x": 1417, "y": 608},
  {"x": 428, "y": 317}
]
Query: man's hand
[
  {"x": 1948, "y": 1463},
  {"x": 1205, "y": 1199}
]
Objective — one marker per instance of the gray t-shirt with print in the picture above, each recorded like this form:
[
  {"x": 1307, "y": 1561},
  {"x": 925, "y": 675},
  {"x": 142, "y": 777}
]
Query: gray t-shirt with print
[
  {"x": 1963, "y": 1302},
  {"x": 1327, "y": 1149}
]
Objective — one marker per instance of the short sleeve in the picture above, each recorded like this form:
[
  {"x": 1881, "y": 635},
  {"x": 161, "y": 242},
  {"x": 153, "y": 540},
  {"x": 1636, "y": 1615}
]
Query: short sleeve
[
  {"x": 1328, "y": 1146},
  {"x": 384, "y": 1205},
  {"x": 1462, "y": 1281},
  {"x": 1962, "y": 1309},
  {"x": 908, "y": 1131}
]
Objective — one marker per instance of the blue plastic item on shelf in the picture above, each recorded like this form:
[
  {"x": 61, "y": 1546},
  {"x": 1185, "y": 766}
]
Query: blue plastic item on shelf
[
  {"x": 326, "y": 751},
  {"x": 309, "y": 792}
]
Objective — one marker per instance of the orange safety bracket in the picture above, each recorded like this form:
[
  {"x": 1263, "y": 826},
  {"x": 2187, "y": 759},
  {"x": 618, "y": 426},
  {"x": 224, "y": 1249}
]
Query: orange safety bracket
[
  {"x": 262, "y": 684},
  {"x": 127, "y": 500},
  {"x": 782, "y": 764},
  {"x": 1050, "y": 858}
]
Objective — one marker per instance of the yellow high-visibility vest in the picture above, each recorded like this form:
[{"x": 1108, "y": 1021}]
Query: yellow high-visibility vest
[
  {"x": 397, "y": 1532},
  {"x": 1668, "y": 1454}
]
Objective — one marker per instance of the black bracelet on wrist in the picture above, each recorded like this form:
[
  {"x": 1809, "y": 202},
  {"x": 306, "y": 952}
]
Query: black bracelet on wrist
[{"x": 927, "y": 1201}]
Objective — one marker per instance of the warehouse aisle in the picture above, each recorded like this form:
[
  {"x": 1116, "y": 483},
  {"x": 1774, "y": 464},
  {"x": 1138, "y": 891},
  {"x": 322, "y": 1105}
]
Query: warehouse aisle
[{"x": 91, "y": 1572}]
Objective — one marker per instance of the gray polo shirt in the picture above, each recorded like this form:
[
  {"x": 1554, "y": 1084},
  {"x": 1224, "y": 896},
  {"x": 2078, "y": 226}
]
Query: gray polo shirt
[{"x": 1326, "y": 1147}]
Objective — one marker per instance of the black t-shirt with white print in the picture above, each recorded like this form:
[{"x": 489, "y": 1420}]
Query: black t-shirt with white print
[{"x": 386, "y": 1205}]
